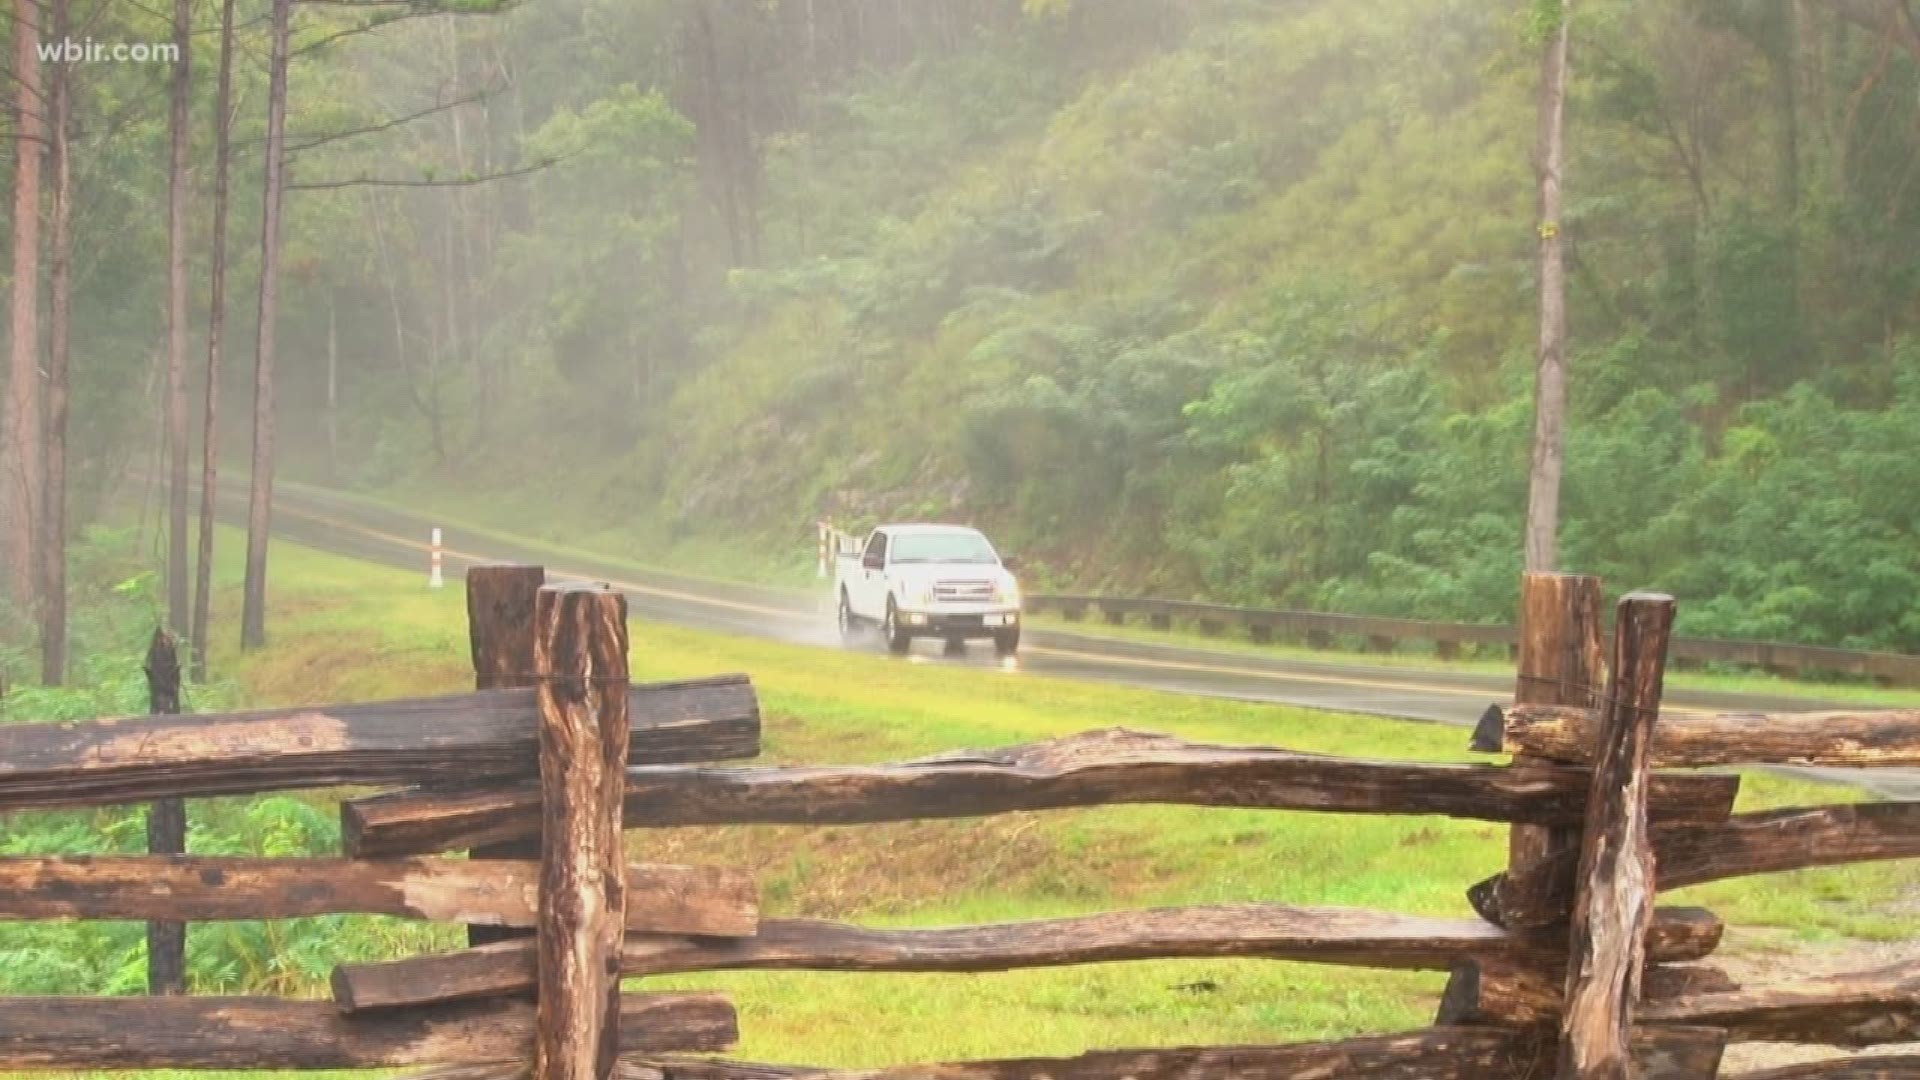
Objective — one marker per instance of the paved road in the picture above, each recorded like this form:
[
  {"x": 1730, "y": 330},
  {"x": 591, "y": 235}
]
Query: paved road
[{"x": 326, "y": 521}]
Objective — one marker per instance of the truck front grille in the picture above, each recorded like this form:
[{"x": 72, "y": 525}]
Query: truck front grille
[{"x": 963, "y": 592}]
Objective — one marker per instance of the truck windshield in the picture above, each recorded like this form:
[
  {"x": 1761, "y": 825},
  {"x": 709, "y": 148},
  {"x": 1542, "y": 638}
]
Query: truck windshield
[{"x": 948, "y": 547}]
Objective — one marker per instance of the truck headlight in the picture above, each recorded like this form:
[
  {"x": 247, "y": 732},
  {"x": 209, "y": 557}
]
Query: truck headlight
[
  {"x": 924, "y": 594},
  {"x": 1006, "y": 592}
]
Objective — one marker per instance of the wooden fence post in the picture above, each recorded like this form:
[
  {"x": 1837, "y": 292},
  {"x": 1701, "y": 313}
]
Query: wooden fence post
[
  {"x": 500, "y": 632},
  {"x": 1614, "y": 904},
  {"x": 166, "y": 824},
  {"x": 581, "y": 656},
  {"x": 1559, "y": 663}
]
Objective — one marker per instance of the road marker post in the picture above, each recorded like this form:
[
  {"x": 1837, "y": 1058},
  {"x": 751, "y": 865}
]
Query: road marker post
[{"x": 435, "y": 579}]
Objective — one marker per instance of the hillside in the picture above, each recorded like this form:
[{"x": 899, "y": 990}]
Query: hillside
[
  {"x": 1246, "y": 311},
  {"x": 1214, "y": 298}
]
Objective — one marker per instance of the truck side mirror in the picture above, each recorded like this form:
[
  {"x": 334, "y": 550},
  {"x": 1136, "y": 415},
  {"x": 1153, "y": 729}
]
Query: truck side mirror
[
  {"x": 1010, "y": 562},
  {"x": 873, "y": 560}
]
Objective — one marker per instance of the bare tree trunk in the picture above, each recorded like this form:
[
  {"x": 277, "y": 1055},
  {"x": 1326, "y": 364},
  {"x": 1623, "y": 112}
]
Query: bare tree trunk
[
  {"x": 253, "y": 615},
  {"x": 21, "y": 470},
  {"x": 449, "y": 344},
  {"x": 465, "y": 335},
  {"x": 1550, "y": 383},
  {"x": 1786, "y": 97},
  {"x": 216, "y": 328},
  {"x": 333, "y": 390},
  {"x": 177, "y": 436},
  {"x": 152, "y": 489},
  {"x": 53, "y": 542}
]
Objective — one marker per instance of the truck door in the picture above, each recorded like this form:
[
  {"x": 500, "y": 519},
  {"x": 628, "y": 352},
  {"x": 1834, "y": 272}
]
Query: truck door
[{"x": 870, "y": 597}]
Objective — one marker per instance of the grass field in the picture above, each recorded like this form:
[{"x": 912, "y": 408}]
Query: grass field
[{"x": 346, "y": 630}]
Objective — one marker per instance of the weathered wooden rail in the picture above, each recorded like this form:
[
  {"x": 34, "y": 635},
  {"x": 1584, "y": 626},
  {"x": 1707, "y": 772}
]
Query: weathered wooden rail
[
  {"x": 1322, "y": 629},
  {"x": 1571, "y": 970}
]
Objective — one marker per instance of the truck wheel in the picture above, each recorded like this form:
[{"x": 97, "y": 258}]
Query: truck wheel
[
  {"x": 1007, "y": 642},
  {"x": 897, "y": 639},
  {"x": 848, "y": 627}
]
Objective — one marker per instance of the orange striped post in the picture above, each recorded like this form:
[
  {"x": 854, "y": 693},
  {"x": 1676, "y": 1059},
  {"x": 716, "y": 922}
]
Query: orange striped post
[{"x": 435, "y": 579}]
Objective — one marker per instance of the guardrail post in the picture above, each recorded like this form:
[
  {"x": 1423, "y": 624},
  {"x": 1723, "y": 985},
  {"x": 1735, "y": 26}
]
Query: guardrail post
[
  {"x": 1613, "y": 906},
  {"x": 500, "y": 630},
  {"x": 166, "y": 824},
  {"x": 580, "y": 655}
]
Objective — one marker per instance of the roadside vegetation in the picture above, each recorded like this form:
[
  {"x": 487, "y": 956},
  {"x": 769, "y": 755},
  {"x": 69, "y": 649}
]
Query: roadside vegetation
[{"x": 349, "y": 630}]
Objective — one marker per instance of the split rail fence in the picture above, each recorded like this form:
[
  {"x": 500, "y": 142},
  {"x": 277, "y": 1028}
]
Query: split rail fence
[{"x": 1570, "y": 970}]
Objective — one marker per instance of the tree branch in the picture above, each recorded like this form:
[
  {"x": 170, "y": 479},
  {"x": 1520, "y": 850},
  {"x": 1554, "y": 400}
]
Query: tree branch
[
  {"x": 386, "y": 125},
  {"x": 1893, "y": 18},
  {"x": 462, "y": 181},
  {"x": 377, "y": 24}
]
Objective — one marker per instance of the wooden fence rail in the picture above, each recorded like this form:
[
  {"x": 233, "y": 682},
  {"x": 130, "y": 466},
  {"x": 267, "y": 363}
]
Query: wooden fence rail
[
  {"x": 1091, "y": 769},
  {"x": 663, "y": 899},
  {"x": 455, "y": 738},
  {"x": 1570, "y": 970},
  {"x": 1347, "y": 937}
]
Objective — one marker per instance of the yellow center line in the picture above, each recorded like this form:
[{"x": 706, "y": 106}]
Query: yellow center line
[{"x": 1194, "y": 667}]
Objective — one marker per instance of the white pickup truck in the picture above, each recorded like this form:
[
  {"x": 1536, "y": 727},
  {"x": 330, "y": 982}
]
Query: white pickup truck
[{"x": 937, "y": 581}]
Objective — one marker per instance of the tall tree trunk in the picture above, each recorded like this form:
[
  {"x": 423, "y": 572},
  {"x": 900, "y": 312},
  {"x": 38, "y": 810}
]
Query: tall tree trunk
[
  {"x": 216, "y": 328},
  {"x": 53, "y": 542},
  {"x": 21, "y": 470},
  {"x": 465, "y": 335},
  {"x": 178, "y": 438},
  {"x": 333, "y": 389},
  {"x": 253, "y": 615},
  {"x": 1550, "y": 381},
  {"x": 1785, "y": 58}
]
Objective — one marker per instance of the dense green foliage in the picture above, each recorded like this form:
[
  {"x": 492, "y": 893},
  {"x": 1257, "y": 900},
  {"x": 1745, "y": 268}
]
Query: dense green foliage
[
  {"x": 1192, "y": 297},
  {"x": 117, "y": 609}
]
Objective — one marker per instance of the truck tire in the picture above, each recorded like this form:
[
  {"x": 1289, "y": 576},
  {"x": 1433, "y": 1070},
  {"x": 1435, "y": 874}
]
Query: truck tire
[
  {"x": 897, "y": 639},
  {"x": 849, "y": 626},
  {"x": 1007, "y": 642}
]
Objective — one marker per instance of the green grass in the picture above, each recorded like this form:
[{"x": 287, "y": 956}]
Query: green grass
[{"x": 341, "y": 630}]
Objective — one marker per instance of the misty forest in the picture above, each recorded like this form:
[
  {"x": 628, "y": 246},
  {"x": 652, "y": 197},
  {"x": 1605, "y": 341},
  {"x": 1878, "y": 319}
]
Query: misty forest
[
  {"x": 1221, "y": 299},
  {"x": 1476, "y": 311}
]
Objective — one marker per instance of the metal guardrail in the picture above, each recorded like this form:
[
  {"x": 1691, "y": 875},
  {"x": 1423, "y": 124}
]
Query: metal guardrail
[{"x": 1319, "y": 629}]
